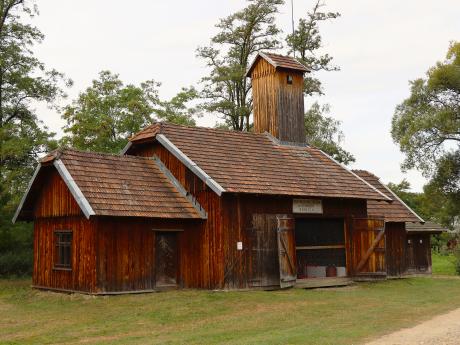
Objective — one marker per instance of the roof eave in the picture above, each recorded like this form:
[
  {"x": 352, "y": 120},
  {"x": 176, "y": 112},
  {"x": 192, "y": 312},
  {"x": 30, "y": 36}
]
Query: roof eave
[
  {"x": 126, "y": 148},
  {"x": 24, "y": 197}
]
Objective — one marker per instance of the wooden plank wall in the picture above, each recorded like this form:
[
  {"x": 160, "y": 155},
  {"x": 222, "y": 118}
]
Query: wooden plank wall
[
  {"x": 364, "y": 233},
  {"x": 290, "y": 104},
  {"x": 278, "y": 106},
  {"x": 201, "y": 246},
  {"x": 126, "y": 253},
  {"x": 418, "y": 255},
  {"x": 56, "y": 209},
  {"x": 264, "y": 90},
  {"x": 395, "y": 233},
  {"x": 237, "y": 218},
  {"x": 82, "y": 276},
  {"x": 55, "y": 199}
]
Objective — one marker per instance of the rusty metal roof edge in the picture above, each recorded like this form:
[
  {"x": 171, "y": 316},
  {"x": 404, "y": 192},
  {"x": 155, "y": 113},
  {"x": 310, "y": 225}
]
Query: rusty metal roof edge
[
  {"x": 402, "y": 202},
  {"x": 24, "y": 197},
  {"x": 74, "y": 189},
  {"x": 216, "y": 187},
  {"x": 201, "y": 211},
  {"x": 355, "y": 175}
]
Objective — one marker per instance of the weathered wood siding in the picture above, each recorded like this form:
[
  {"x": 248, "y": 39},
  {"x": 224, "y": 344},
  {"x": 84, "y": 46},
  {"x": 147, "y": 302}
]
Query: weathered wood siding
[
  {"x": 55, "y": 199},
  {"x": 290, "y": 106},
  {"x": 239, "y": 225},
  {"x": 126, "y": 253},
  {"x": 201, "y": 246},
  {"x": 278, "y": 107},
  {"x": 418, "y": 254},
  {"x": 82, "y": 275},
  {"x": 395, "y": 233},
  {"x": 368, "y": 247},
  {"x": 264, "y": 84},
  {"x": 56, "y": 209}
]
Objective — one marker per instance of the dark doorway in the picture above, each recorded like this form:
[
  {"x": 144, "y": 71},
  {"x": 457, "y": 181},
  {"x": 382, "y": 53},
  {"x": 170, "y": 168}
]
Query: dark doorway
[
  {"x": 166, "y": 259},
  {"x": 320, "y": 248}
]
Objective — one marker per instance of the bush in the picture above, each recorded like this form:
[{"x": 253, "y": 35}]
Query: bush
[
  {"x": 16, "y": 263},
  {"x": 16, "y": 247}
]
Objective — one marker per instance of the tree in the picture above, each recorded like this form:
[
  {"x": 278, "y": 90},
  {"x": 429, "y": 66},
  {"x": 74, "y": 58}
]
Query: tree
[
  {"x": 241, "y": 35},
  {"x": 426, "y": 126},
  {"x": 104, "y": 116},
  {"x": 24, "y": 80},
  {"x": 178, "y": 109},
  {"x": 324, "y": 133},
  {"x": 306, "y": 41}
]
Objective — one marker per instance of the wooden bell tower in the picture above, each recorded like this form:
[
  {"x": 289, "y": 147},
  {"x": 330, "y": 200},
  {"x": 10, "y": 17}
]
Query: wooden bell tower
[{"x": 277, "y": 91}]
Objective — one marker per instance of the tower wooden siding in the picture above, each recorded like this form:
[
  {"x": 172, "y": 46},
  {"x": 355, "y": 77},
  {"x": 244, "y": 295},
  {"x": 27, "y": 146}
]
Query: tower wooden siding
[{"x": 278, "y": 106}]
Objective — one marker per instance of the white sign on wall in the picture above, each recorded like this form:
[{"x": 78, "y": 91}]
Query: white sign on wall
[{"x": 307, "y": 206}]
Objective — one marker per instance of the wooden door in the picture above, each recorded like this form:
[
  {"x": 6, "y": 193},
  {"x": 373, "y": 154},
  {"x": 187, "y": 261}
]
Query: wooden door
[
  {"x": 264, "y": 271},
  {"x": 166, "y": 259},
  {"x": 286, "y": 250},
  {"x": 395, "y": 253},
  {"x": 368, "y": 247}
]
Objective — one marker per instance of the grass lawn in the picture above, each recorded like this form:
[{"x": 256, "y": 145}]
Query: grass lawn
[
  {"x": 443, "y": 264},
  {"x": 324, "y": 316}
]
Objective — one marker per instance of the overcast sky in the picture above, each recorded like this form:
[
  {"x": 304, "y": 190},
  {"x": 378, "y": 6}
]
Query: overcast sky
[{"x": 379, "y": 46}]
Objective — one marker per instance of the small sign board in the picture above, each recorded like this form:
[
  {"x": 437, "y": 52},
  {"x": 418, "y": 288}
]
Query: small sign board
[{"x": 307, "y": 206}]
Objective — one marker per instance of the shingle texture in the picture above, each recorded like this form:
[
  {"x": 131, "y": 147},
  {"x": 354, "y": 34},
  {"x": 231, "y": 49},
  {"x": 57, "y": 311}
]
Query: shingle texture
[
  {"x": 393, "y": 212},
  {"x": 278, "y": 61},
  {"x": 428, "y": 227},
  {"x": 288, "y": 62},
  {"x": 244, "y": 162},
  {"x": 124, "y": 185}
]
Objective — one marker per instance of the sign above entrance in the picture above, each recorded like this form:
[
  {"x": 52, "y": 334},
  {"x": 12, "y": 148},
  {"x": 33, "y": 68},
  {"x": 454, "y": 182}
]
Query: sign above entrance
[{"x": 307, "y": 206}]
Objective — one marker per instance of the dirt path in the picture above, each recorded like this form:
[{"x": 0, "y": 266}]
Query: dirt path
[{"x": 441, "y": 330}]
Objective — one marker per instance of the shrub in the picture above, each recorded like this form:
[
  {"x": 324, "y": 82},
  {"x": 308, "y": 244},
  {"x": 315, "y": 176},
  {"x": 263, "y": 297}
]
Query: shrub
[{"x": 16, "y": 263}]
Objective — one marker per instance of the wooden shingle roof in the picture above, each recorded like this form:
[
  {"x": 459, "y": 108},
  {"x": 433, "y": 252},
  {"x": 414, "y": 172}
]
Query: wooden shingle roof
[
  {"x": 397, "y": 211},
  {"x": 242, "y": 162},
  {"x": 113, "y": 185},
  {"x": 428, "y": 227},
  {"x": 278, "y": 61}
]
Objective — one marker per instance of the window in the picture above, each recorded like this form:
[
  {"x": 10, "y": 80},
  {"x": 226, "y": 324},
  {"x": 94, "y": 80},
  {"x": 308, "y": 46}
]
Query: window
[
  {"x": 289, "y": 79},
  {"x": 63, "y": 249}
]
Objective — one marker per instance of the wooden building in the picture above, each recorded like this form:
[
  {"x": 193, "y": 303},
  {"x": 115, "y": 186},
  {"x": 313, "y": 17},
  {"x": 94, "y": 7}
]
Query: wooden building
[
  {"x": 408, "y": 237},
  {"x": 206, "y": 208}
]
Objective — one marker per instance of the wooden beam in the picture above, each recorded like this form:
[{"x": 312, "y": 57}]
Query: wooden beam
[{"x": 370, "y": 250}]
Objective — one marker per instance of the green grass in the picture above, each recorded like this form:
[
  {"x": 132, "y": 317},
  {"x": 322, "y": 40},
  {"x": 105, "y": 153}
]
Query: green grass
[
  {"x": 443, "y": 264},
  {"x": 338, "y": 316}
]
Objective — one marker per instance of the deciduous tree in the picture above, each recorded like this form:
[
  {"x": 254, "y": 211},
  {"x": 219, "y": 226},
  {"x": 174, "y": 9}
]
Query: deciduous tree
[
  {"x": 426, "y": 126},
  {"x": 324, "y": 132},
  {"x": 24, "y": 81},
  {"x": 241, "y": 35},
  {"x": 108, "y": 112},
  {"x": 306, "y": 41}
]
